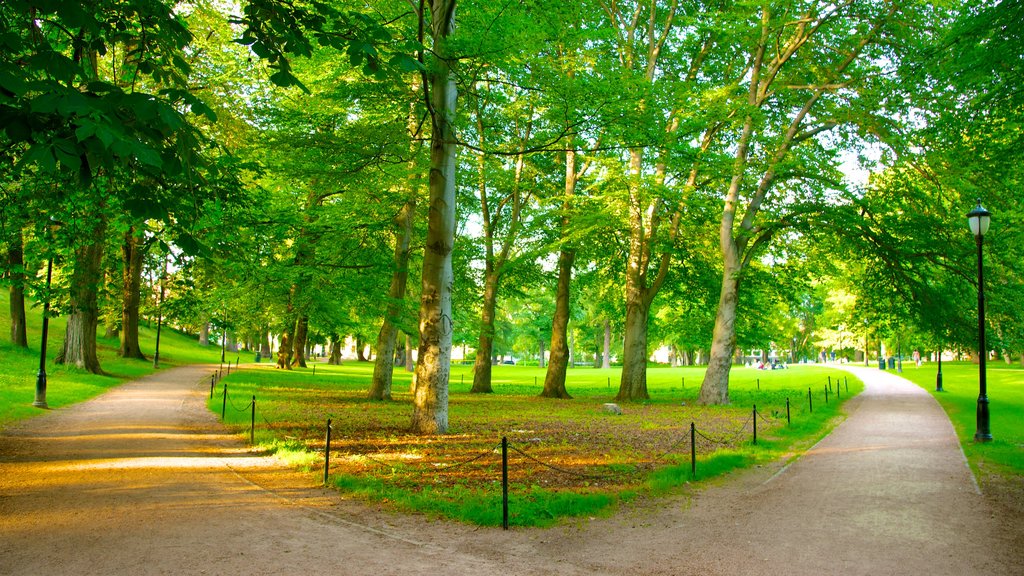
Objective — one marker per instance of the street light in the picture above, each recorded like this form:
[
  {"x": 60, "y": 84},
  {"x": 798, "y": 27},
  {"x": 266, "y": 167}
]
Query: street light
[
  {"x": 978, "y": 219},
  {"x": 40, "y": 399}
]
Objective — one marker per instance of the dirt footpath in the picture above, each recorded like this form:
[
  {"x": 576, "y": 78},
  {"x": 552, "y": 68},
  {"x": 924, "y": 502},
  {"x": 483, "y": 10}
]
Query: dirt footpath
[{"x": 143, "y": 480}]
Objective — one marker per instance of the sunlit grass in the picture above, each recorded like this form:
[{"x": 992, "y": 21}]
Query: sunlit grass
[{"x": 568, "y": 457}]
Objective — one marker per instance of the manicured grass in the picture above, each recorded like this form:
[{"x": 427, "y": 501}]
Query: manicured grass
[
  {"x": 70, "y": 385},
  {"x": 567, "y": 458},
  {"x": 1004, "y": 455}
]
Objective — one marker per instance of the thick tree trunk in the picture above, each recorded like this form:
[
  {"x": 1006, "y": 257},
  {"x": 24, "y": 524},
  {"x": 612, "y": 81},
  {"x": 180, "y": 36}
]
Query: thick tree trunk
[
  {"x": 335, "y": 356},
  {"x": 361, "y": 349},
  {"x": 554, "y": 378},
  {"x": 430, "y": 400},
  {"x": 633, "y": 383},
  {"x": 80, "y": 335},
  {"x": 409, "y": 366},
  {"x": 383, "y": 369},
  {"x": 285, "y": 350},
  {"x": 485, "y": 343},
  {"x": 204, "y": 333},
  {"x": 132, "y": 254},
  {"x": 301, "y": 335},
  {"x": 16, "y": 265},
  {"x": 606, "y": 356},
  {"x": 715, "y": 387}
]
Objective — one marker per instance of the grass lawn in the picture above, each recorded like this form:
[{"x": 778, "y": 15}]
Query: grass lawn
[
  {"x": 1003, "y": 457},
  {"x": 69, "y": 385},
  {"x": 567, "y": 457}
]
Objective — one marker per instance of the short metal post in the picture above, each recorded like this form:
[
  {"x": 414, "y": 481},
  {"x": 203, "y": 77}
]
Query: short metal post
[
  {"x": 830, "y": 383},
  {"x": 314, "y": 369},
  {"x": 810, "y": 403},
  {"x": 682, "y": 381},
  {"x": 758, "y": 384},
  {"x": 252, "y": 424},
  {"x": 327, "y": 452},
  {"x": 693, "y": 450},
  {"x": 789, "y": 421},
  {"x": 826, "y": 395},
  {"x": 846, "y": 381},
  {"x": 224, "y": 404},
  {"x": 755, "y": 424},
  {"x": 229, "y": 368},
  {"x": 213, "y": 381},
  {"x": 504, "y": 482}
]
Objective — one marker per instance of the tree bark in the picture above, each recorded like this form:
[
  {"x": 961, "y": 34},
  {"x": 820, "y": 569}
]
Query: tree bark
[
  {"x": 132, "y": 253},
  {"x": 633, "y": 382},
  {"x": 301, "y": 335},
  {"x": 16, "y": 265},
  {"x": 606, "y": 356},
  {"x": 485, "y": 343},
  {"x": 80, "y": 335},
  {"x": 409, "y": 366},
  {"x": 554, "y": 378},
  {"x": 204, "y": 333},
  {"x": 335, "y": 357},
  {"x": 540, "y": 355},
  {"x": 383, "y": 368},
  {"x": 360, "y": 349}
]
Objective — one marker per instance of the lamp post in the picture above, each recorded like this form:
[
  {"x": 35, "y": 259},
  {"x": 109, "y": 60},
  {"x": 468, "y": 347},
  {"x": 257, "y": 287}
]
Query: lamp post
[
  {"x": 938, "y": 375},
  {"x": 40, "y": 399},
  {"x": 978, "y": 219}
]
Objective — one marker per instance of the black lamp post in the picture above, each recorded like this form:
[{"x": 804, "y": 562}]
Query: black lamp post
[
  {"x": 40, "y": 400},
  {"x": 938, "y": 375},
  {"x": 978, "y": 219}
]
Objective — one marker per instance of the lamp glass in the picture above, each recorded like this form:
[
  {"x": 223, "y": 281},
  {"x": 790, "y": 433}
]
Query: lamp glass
[{"x": 979, "y": 219}]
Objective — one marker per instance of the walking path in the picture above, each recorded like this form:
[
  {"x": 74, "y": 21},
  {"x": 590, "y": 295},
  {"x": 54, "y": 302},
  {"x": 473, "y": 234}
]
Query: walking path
[{"x": 143, "y": 480}]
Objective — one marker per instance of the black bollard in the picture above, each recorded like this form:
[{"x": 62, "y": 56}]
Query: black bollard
[
  {"x": 504, "y": 483},
  {"x": 758, "y": 384},
  {"x": 789, "y": 422},
  {"x": 252, "y": 423},
  {"x": 693, "y": 450},
  {"x": 224, "y": 404},
  {"x": 755, "y": 424},
  {"x": 810, "y": 403},
  {"x": 213, "y": 381},
  {"x": 826, "y": 395},
  {"x": 327, "y": 452},
  {"x": 846, "y": 381},
  {"x": 830, "y": 383}
]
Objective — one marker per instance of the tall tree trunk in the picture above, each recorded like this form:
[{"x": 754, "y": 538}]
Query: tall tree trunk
[
  {"x": 132, "y": 253},
  {"x": 285, "y": 349},
  {"x": 204, "y": 333},
  {"x": 360, "y": 349},
  {"x": 265, "y": 343},
  {"x": 715, "y": 387},
  {"x": 633, "y": 383},
  {"x": 540, "y": 350},
  {"x": 554, "y": 378},
  {"x": 606, "y": 356},
  {"x": 383, "y": 368},
  {"x": 335, "y": 357},
  {"x": 80, "y": 335},
  {"x": 301, "y": 336},
  {"x": 409, "y": 366},
  {"x": 430, "y": 400},
  {"x": 16, "y": 266},
  {"x": 485, "y": 345}
]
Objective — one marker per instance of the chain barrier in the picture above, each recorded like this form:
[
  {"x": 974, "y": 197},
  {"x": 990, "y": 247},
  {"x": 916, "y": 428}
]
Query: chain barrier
[
  {"x": 572, "y": 472},
  {"x": 731, "y": 440}
]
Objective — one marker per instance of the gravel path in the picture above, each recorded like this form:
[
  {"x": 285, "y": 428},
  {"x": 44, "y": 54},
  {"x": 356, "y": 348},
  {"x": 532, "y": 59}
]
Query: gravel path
[{"x": 142, "y": 480}]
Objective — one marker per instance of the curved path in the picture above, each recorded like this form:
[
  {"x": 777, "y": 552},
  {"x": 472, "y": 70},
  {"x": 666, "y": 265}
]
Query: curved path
[{"x": 142, "y": 480}]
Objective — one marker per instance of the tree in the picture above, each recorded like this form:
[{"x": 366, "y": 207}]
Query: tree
[
  {"x": 786, "y": 106},
  {"x": 430, "y": 400}
]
